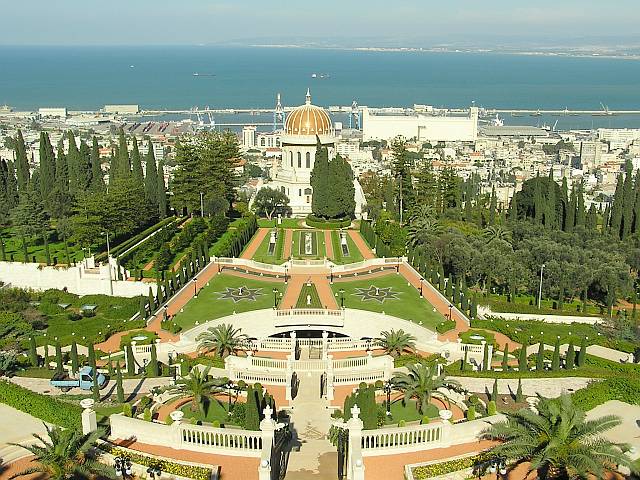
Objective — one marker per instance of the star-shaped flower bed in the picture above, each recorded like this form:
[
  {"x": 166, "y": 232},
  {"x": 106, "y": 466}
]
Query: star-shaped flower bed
[
  {"x": 237, "y": 294},
  {"x": 376, "y": 294}
]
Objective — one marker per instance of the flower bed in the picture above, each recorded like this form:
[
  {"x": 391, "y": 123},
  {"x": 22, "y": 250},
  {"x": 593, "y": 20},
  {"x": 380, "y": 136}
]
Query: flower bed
[{"x": 442, "y": 468}]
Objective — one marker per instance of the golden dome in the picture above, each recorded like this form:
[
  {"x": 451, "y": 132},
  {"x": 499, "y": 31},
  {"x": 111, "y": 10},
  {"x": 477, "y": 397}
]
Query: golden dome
[{"x": 308, "y": 120}]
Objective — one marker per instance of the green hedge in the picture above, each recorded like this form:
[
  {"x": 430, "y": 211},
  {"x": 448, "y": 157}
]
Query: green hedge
[
  {"x": 316, "y": 222},
  {"x": 135, "y": 239},
  {"x": 625, "y": 389},
  {"x": 172, "y": 468},
  {"x": 437, "y": 469},
  {"x": 48, "y": 409},
  {"x": 445, "y": 326}
]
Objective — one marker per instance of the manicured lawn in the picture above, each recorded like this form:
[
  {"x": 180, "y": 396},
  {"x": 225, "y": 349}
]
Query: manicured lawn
[
  {"x": 209, "y": 305},
  {"x": 262, "y": 254},
  {"x": 35, "y": 247},
  {"x": 354, "y": 253},
  {"x": 407, "y": 304},
  {"x": 215, "y": 410},
  {"x": 467, "y": 337},
  {"x": 286, "y": 223},
  {"x": 409, "y": 412},
  {"x": 529, "y": 304},
  {"x": 522, "y": 331},
  {"x": 311, "y": 291},
  {"x": 111, "y": 315},
  {"x": 319, "y": 250}
]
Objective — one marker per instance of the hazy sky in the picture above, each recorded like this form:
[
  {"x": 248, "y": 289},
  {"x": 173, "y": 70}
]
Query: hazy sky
[{"x": 367, "y": 22}]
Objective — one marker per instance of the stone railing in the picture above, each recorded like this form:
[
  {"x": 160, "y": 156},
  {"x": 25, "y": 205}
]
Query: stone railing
[
  {"x": 197, "y": 438},
  {"x": 243, "y": 262},
  {"x": 355, "y": 377},
  {"x": 324, "y": 312},
  {"x": 404, "y": 439},
  {"x": 272, "y": 344},
  {"x": 371, "y": 263}
]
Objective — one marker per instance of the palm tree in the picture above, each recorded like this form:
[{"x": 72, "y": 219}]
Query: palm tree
[
  {"x": 66, "y": 455},
  {"x": 422, "y": 212},
  {"x": 421, "y": 383},
  {"x": 197, "y": 385},
  {"x": 222, "y": 339},
  {"x": 396, "y": 342},
  {"x": 558, "y": 441},
  {"x": 495, "y": 233},
  {"x": 421, "y": 229}
]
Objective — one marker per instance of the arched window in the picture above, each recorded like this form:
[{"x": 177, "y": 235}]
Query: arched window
[
  {"x": 308, "y": 191},
  {"x": 282, "y": 189},
  {"x": 299, "y": 160},
  {"x": 291, "y": 158},
  {"x": 308, "y": 160},
  {"x": 262, "y": 142}
]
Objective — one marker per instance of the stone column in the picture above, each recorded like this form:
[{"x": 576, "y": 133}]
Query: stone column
[
  {"x": 329, "y": 377},
  {"x": 268, "y": 428},
  {"x": 89, "y": 421},
  {"x": 325, "y": 344},
  {"x": 355, "y": 462},
  {"x": 289, "y": 379},
  {"x": 293, "y": 345}
]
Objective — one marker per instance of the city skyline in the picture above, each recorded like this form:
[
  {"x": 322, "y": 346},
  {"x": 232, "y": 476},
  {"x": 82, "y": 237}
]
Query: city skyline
[{"x": 330, "y": 23}]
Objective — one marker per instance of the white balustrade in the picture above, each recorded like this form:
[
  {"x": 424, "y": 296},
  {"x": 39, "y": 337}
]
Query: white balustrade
[{"x": 387, "y": 441}]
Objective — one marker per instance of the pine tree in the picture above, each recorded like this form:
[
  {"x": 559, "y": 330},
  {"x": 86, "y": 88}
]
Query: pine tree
[
  {"x": 119, "y": 388},
  {"x": 570, "y": 357},
  {"x": 33, "y": 353},
  {"x": 21, "y": 162},
  {"x": 47, "y": 167},
  {"x": 540, "y": 357},
  {"x": 555, "y": 362},
  {"x": 151, "y": 178},
  {"x": 162, "y": 192},
  {"x": 74, "y": 357}
]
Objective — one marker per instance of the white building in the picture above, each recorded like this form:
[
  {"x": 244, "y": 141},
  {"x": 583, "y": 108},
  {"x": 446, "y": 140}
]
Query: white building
[
  {"x": 305, "y": 126},
  {"x": 122, "y": 109},
  {"x": 249, "y": 137},
  {"x": 52, "y": 112},
  {"x": 424, "y": 128}
]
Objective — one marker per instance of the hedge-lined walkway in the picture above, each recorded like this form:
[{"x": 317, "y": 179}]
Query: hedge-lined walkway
[
  {"x": 255, "y": 243},
  {"x": 366, "y": 252}
]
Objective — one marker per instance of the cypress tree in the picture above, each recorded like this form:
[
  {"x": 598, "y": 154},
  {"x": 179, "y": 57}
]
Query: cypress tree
[
  {"x": 97, "y": 175},
  {"x": 519, "y": 395},
  {"x": 565, "y": 203},
  {"x": 320, "y": 182},
  {"x": 252, "y": 415},
  {"x": 21, "y": 162},
  {"x": 580, "y": 211},
  {"x": 46, "y": 356},
  {"x": 162, "y": 192},
  {"x": 494, "y": 392},
  {"x": 62, "y": 169},
  {"x": 513, "y": 208},
  {"x": 493, "y": 206},
  {"x": 119, "y": 388},
  {"x": 538, "y": 202},
  {"x": 550, "y": 204},
  {"x": 153, "y": 370},
  {"x": 96, "y": 389},
  {"x": 85, "y": 171},
  {"x": 571, "y": 212},
  {"x": 486, "y": 361},
  {"x": 151, "y": 178},
  {"x": 160, "y": 294},
  {"x": 347, "y": 406},
  {"x": 449, "y": 288},
  {"x": 143, "y": 308},
  {"x": 74, "y": 162},
  {"x": 47, "y": 167},
  {"x": 617, "y": 208},
  {"x": 74, "y": 357},
  {"x": 523, "y": 365},
  {"x": 152, "y": 302},
  {"x": 505, "y": 358},
  {"x": 591, "y": 221},
  {"x": 136, "y": 163},
  {"x": 33, "y": 353},
  {"x": 540, "y": 357},
  {"x": 131, "y": 361},
  {"x": 463, "y": 366},
  {"x": 92, "y": 356},
  {"x": 124, "y": 163},
  {"x": 555, "y": 363},
  {"x": 582, "y": 354},
  {"x": 570, "y": 357}
]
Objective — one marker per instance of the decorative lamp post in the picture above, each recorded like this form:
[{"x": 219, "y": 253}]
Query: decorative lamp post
[
  {"x": 421, "y": 280},
  {"x": 387, "y": 390},
  {"x": 229, "y": 386},
  {"x": 540, "y": 290},
  {"x": 450, "y": 307},
  {"x": 154, "y": 471},
  {"x": 342, "y": 298},
  {"x": 286, "y": 279},
  {"x": 275, "y": 298},
  {"x": 195, "y": 287}
]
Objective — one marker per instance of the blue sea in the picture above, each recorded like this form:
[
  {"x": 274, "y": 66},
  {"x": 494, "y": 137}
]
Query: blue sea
[{"x": 82, "y": 78}]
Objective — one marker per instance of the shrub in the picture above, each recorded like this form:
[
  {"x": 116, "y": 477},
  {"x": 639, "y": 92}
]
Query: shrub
[
  {"x": 336, "y": 413},
  {"x": 449, "y": 466},
  {"x": 402, "y": 423},
  {"x": 147, "y": 415},
  {"x": 48, "y": 409},
  {"x": 127, "y": 410},
  {"x": 333, "y": 224},
  {"x": 215, "y": 424},
  {"x": 471, "y": 413},
  {"x": 445, "y": 326},
  {"x": 491, "y": 408},
  {"x": 168, "y": 420},
  {"x": 425, "y": 420},
  {"x": 624, "y": 389},
  {"x": 238, "y": 413}
]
